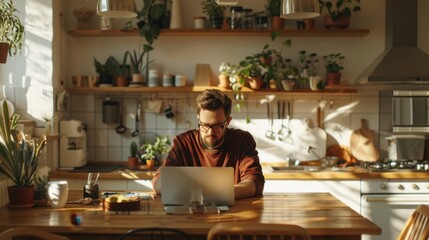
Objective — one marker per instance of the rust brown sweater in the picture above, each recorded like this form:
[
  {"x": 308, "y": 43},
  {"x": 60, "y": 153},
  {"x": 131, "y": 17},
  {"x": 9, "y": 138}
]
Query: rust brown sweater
[{"x": 237, "y": 151}]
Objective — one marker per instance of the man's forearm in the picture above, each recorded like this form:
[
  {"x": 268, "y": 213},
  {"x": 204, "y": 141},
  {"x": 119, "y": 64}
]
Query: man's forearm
[{"x": 246, "y": 188}]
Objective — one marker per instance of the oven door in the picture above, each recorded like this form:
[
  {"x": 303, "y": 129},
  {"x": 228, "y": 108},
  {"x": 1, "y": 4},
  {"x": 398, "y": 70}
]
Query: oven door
[{"x": 390, "y": 211}]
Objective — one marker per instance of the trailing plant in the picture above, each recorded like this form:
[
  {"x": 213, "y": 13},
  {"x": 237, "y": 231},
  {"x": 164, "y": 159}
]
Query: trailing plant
[
  {"x": 19, "y": 157},
  {"x": 11, "y": 28},
  {"x": 341, "y": 8},
  {"x": 273, "y": 7}
]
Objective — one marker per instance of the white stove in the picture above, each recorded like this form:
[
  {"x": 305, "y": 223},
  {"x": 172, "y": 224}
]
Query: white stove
[{"x": 389, "y": 203}]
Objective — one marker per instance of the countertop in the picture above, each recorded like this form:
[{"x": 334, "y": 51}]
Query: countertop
[{"x": 352, "y": 173}]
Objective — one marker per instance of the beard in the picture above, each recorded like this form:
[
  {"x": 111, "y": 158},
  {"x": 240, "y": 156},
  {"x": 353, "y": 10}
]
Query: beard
[{"x": 212, "y": 141}]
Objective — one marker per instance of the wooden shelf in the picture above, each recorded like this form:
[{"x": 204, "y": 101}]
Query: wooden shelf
[
  {"x": 224, "y": 33},
  {"x": 337, "y": 90}
]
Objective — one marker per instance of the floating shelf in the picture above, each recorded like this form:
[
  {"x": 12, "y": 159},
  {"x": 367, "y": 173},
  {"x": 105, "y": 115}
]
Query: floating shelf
[{"x": 224, "y": 33}]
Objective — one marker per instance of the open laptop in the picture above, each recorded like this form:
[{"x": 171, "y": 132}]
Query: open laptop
[{"x": 209, "y": 185}]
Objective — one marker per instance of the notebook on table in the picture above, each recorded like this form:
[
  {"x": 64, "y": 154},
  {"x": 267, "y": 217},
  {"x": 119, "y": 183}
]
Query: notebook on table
[{"x": 211, "y": 185}]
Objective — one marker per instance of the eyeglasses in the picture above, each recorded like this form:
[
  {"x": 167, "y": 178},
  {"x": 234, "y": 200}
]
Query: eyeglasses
[{"x": 204, "y": 127}]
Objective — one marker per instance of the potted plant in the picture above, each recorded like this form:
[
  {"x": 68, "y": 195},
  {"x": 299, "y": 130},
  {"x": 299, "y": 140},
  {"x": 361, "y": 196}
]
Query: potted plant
[
  {"x": 160, "y": 147},
  {"x": 12, "y": 32},
  {"x": 251, "y": 71},
  {"x": 338, "y": 14},
  {"x": 41, "y": 183},
  {"x": 226, "y": 70},
  {"x": 273, "y": 8},
  {"x": 137, "y": 60},
  {"x": 215, "y": 12},
  {"x": 121, "y": 71},
  {"x": 334, "y": 66},
  {"x": 19, "y": 159},
  {"x": 106, "y": 71},
  {"x": 133, "y": 160}
]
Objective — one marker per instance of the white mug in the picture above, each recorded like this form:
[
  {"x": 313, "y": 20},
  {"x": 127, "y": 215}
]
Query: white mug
[
  {"x": 58, "y": 192},
  {"x": 314, "y": 82}
]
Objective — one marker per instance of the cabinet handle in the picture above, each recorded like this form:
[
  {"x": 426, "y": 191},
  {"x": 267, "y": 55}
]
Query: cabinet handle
[{"x": 396, "y": 200}]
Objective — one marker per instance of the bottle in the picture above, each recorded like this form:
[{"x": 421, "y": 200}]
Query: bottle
[
  {"x": 248, "y": 18},
  {"x": 236, "y": 17}
]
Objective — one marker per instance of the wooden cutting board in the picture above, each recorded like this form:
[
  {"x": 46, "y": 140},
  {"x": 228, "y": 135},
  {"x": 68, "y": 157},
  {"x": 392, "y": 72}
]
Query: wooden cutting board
[
  {"x": 362, "y": 144},
  {"x": 306, "y": 138}
]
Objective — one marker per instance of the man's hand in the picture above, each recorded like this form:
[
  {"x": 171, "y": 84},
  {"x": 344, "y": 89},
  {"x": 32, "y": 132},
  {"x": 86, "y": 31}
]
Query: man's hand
[{"x": 246, "y": 188}]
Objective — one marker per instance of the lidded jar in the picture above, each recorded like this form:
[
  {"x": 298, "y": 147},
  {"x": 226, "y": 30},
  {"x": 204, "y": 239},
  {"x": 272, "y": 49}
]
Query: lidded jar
[{"x": 236, "y": 17}]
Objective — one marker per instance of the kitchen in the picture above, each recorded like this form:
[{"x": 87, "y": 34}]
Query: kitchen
[{"x": 103, "y": 142}]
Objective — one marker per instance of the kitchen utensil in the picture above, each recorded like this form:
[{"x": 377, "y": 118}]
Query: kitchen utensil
[
  {"x": 309, "y": 143},
  {"x": 281, "y": 116},
  {"x": 137, "y": 130},
  {"x": 110, "y": 111},
  {"x": 270, "y": 133},
  {"x": 288, "y": 138},
  {"x": 362, "y": 143},
  {"x": 120, "y": 129}
]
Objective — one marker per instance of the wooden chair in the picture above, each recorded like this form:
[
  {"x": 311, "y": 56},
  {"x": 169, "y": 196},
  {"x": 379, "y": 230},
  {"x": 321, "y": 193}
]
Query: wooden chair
[
  {"x": 256, "y": 231},
  {"x": 417, "y": 226},
  {"x": 155, "y": 234},
  {"x": 10, "y": 233}
]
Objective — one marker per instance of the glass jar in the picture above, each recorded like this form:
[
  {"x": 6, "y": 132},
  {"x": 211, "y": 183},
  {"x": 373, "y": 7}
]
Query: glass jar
[
  {"x": 236, "y": 17},
  {"x": 261, "y": 22},
  {"x": 248, "y": 18}
]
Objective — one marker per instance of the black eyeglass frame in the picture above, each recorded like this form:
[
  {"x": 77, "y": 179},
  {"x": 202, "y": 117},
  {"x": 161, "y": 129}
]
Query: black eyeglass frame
[{"x": 208, "y": 126}]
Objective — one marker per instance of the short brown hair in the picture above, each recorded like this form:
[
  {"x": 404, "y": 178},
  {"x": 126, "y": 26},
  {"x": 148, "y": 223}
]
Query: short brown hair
[{"x": 213, "y": 99}]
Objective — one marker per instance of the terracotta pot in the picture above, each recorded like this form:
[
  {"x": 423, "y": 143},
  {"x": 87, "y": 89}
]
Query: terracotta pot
[
  {"x": 255, "y": 82},
  {"x": 21, "y": 196},
  {"x": 224, "y": 81},
  {"x": 4, "y": 48},
  {"x": 333, "y": 78},
  {"x": 266, "y": 61},
  {"x": 121, "y": 81},
  {"x": 341, "y": 23},
  {"x": 308, "y": 23},
  {"x": 133, "y": 163},
  {"x": 277, "y": 22},
  {"x": 150, "y": 163}
]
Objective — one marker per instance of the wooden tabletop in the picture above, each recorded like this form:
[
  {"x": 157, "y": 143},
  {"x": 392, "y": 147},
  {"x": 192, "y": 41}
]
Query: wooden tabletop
[{"x": 320, "y": 213}]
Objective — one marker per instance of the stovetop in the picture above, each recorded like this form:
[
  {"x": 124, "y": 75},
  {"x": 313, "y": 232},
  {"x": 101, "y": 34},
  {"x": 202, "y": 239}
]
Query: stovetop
[{"x": 396, "y": 165}]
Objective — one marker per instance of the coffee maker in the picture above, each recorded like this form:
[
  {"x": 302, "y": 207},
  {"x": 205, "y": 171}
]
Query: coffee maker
[{"x": 73, "y": 152}]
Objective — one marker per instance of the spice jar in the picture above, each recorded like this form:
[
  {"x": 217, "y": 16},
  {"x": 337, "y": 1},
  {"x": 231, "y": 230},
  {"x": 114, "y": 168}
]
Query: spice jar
[{"x": 236, "y": 17}]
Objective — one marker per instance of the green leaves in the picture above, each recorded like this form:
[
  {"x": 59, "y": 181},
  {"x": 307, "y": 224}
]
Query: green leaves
[
  {"x": 11, "y": 28},
  {"x": 19, "y": 157}
]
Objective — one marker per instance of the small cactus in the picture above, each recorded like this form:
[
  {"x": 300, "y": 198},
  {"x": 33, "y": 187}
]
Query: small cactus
[{"x": 133, "y": 149}]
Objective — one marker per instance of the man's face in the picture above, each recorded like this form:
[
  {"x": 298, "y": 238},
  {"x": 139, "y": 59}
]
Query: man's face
[{"x": 212, "y": 125}]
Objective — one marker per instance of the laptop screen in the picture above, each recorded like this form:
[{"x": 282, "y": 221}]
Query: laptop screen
[{"x": 210, "y": 185}]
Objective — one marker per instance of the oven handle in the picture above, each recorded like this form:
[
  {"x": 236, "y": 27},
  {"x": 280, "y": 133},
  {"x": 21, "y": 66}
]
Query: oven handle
[{"x": 398, "y": 199}]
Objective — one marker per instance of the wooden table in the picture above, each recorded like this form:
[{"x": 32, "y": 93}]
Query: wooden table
[{"x": 324, "y": 216}]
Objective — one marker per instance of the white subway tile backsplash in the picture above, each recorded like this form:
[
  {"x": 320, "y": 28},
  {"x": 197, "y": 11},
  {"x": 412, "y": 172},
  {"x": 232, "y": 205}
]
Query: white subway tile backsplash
[{"x": 104, "y": 144}]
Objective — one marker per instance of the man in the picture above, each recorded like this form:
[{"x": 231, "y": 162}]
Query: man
[{"x": 215, "y": 145}]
